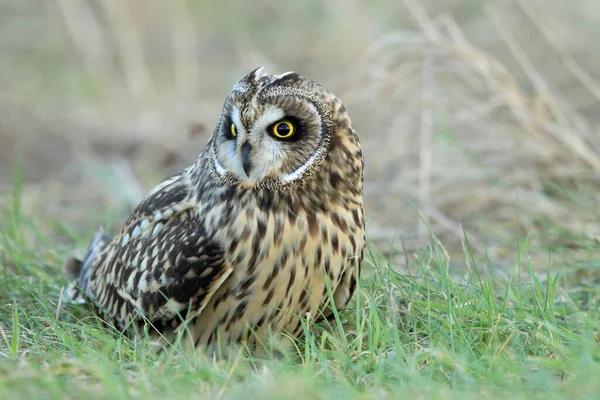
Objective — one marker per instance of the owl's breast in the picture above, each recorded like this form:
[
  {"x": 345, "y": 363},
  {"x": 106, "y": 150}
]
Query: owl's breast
[{"x": 282, "y": 262}]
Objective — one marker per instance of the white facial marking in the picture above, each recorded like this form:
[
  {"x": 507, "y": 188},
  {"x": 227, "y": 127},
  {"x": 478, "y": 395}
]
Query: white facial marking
[
  {"x": 236, "y": 119},
  {"x": 270, "y": 116},
  {"x": 267, "y": 154},
  {"x": 218, "y": 167},
  {"x": 297, "y": 173},
  {"x": 229, "y": 150},
  {"x": 270, "y": 156}
]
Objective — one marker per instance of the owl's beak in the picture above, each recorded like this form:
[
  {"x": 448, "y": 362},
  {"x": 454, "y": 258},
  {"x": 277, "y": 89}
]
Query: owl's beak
[{"x": 246, "y": 163}]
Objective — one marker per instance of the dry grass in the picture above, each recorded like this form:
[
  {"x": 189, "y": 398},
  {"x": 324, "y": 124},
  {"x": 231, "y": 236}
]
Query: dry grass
[{"x": 483, "y": 114}]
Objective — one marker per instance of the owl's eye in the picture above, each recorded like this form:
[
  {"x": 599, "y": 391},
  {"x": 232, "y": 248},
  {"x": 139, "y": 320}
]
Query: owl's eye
[
  {"x": 233, "y": 130},
  {"x": 283, "y": 129}
]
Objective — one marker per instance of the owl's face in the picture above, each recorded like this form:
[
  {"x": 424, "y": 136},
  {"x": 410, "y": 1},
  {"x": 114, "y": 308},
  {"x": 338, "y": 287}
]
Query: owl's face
[{"x": 274, "y": 129}]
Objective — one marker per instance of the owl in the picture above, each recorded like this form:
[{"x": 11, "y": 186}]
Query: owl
[{"x": 265, "y": 227}]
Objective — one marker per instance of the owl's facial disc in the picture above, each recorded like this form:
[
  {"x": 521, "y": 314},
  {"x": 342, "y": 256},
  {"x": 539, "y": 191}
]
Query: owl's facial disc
[{"x": 278, "y": 137}]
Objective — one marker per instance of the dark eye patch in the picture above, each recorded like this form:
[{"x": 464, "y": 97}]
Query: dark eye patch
[
  {"x": 226, "y": 128},
  {"x": 299, "y": 129}
]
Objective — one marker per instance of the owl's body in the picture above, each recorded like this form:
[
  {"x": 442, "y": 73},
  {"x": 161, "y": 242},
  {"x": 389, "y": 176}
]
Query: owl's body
[{"x": 242, "y": 243}]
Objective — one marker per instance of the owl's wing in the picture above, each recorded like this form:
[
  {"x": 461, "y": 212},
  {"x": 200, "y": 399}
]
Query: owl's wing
[{"x": 160, "y": 267}]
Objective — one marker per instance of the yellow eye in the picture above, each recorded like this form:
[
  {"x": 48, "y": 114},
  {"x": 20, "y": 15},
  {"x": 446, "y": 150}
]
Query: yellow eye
[
  {"x": 283, "y": 129},
  {"x": 233, "y": 130}
]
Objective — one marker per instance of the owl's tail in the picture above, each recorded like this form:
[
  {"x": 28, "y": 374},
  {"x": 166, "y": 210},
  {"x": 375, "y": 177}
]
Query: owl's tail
[{"x": 79, "y": 269}]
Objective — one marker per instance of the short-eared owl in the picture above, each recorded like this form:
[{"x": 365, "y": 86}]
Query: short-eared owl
[{"x": 243, "y": 242}]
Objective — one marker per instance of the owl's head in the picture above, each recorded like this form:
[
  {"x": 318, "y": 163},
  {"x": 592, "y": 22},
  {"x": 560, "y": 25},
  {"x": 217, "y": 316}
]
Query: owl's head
[{"x": 275, "y": 130}]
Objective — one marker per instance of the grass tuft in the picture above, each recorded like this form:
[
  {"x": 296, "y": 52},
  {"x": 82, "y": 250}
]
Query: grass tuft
[{"x": 430, "y": 333}]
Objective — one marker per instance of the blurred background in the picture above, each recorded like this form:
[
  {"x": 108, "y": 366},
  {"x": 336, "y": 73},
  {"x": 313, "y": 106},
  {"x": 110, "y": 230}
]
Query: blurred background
[{"x": 475, "y": 116}]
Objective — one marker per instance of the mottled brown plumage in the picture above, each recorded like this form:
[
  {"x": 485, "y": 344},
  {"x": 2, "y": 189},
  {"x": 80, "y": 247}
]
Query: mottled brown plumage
[{"x": 247, "y": 236}]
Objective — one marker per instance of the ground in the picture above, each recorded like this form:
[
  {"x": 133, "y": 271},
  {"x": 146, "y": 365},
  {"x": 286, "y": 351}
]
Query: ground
[{"x": 479, "y": 123}]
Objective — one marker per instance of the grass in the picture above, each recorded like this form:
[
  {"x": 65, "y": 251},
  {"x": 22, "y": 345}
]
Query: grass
[
  {"x": 507, "y": 309},
  {"x": 426, "y": 333}
]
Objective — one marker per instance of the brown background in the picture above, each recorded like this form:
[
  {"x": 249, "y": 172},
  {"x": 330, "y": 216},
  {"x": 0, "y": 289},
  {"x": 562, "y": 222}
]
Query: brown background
[{"x": 480, "y": 115}]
